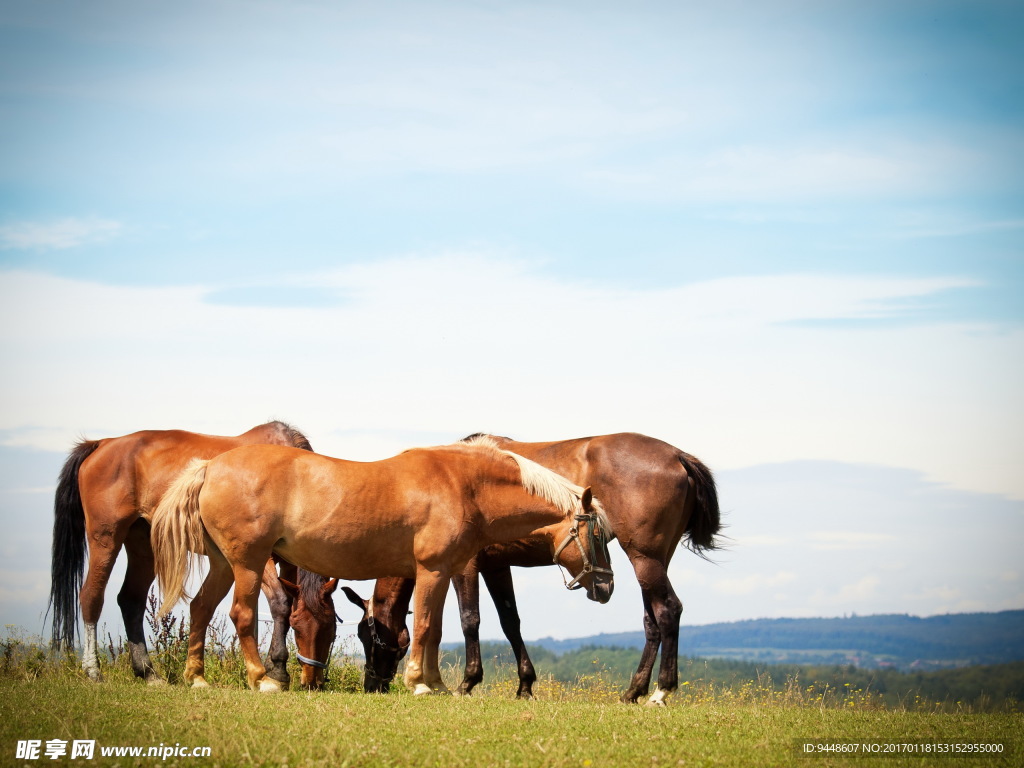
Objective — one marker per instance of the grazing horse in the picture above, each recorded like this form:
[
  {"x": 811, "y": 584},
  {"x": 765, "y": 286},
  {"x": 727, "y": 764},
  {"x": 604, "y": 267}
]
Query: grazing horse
[
  {"x": 316, "y": 622},
  {"x": 422, "y": 514},
  {"x": 385, "y": 642},
  {"x": 653, "y": 495},
  {"x": 105, "y": 495}
]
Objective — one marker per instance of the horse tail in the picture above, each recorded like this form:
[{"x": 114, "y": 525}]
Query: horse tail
[
  {"x": 177, "y": 530},
  {"x": 706, "y": 521},
  {"x": 67, "y": 556}
]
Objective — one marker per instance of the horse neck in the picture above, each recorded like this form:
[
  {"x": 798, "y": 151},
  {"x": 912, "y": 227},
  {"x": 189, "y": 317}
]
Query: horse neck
[
  {"x": 391, "y": 598},
  {"x": 510, "y": 512},
  {"x": 273, "y": 433}
]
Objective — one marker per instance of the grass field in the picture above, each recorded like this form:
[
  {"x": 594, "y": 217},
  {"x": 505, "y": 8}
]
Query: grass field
[{"x": 579, "y": 725}]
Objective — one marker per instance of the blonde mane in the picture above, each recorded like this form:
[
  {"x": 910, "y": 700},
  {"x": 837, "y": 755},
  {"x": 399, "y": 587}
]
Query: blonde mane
[{"x": 541, "y": 481}]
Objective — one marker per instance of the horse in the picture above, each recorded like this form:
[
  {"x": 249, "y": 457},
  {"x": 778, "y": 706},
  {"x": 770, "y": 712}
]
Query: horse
[
  {"x": 421, "y": 514},
  {"x": 316, "y": 621},
  {"x": 106, "y": 492},
  {"x": 654, "y": 494},
  {"x": 313, "y": 616}
]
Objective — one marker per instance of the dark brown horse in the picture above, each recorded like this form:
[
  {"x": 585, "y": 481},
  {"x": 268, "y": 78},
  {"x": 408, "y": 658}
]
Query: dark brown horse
[
  {"x": 105, "y": 495},
  {"x": 422, "y": 514},
  {"x": 654, "y": 495}
]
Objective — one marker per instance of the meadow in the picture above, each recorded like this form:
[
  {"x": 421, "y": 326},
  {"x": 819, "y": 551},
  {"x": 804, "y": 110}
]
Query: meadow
[{"x": 578, "y": 723}]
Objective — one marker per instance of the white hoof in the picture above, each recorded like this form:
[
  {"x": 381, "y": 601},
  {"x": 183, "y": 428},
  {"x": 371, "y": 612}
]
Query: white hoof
[
  {"x": 93, "y": 673},
  {"x": 270, "y": 686},
  {"x": 657, "y": 699},
  {"x": 199, "y": 682}
]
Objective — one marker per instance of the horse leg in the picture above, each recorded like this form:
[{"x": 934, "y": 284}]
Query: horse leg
[
  {"x": 243, "y": 614},
  {"x": 668, "y": 610},
  {"x": 662, "y": 611},
  {"x": 104, "y": 546},
  {"x": 422, "y": 670},
  {"x": 499, "y": 584},
  {"x": 215, "y": 586},
  {"x": 281, "y": 609},
  {"x": 132, "y": 599},
  {"x": 467, "y": 590},
  {"x": 641, "y": 682}
]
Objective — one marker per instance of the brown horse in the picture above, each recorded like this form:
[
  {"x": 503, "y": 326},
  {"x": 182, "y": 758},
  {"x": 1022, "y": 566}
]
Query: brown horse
[
  {"x": 316, "y": 621},
  {"x": 422, "y": 514},
  {"x": 653, "y": 494},
  {"x": 105, "y": 495}
]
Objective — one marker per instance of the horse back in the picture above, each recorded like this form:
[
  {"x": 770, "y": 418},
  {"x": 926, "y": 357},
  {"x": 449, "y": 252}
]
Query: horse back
[
  {"x": 133, "y": 471},
  {"x": 641, "y": 481}
]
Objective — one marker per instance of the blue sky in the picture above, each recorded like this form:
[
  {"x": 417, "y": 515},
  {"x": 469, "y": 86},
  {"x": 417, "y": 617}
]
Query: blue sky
[{"x": 769, "y": 233}]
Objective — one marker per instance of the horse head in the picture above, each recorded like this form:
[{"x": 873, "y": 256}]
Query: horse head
[
  {"x": 315, "y": 625},
  {"x": 583, "y": 550},
  {"x": 383, "y": 631}
]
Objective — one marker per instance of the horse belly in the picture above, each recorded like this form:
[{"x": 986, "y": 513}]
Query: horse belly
[{"x": 364, "y": 557}]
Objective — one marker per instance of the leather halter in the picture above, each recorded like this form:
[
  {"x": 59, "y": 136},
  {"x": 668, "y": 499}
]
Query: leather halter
[
  {"x": 372, "y": 626},
  {"x": 311, "y": 662},
  {"x": 319, "y": 664},
  {"x": 368, "y": 669},
  {"x": 596, "y": 537}
]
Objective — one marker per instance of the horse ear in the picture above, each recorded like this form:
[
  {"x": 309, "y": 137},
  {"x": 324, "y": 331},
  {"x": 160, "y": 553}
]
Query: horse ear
[
  {"x": 587, "y": 499},
  {"x": 290, "y": 588},
  {"x": 354, "y": 598},
  {"x": 328, "y": 589}
]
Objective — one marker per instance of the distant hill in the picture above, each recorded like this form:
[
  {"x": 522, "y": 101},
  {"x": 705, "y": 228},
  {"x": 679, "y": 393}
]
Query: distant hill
[{"x": 883, "y": 641}]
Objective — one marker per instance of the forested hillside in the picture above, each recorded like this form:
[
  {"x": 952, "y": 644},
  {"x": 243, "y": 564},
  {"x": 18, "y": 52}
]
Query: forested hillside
[{"x": 899, "y": 641}]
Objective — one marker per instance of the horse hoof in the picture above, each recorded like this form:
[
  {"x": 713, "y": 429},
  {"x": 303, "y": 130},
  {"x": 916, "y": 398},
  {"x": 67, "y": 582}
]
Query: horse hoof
[
  {"x": 156, "y": 681},
  {"x": 94, "y": 674},
  {"x": 657, "y": 699},
  {"x": 199, "y": 682},
  {"x": 270, "y": 686},
  {"x": 422, "y": 689}
]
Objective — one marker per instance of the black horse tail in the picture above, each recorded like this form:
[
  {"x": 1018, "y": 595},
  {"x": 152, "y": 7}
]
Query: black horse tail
[
  {"x": 67, "y": 557},
  {"x": 706, "y": 521}
]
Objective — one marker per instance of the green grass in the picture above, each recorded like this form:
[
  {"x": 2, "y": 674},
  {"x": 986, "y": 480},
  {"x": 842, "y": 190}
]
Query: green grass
[{"x": 571, "y": 724}]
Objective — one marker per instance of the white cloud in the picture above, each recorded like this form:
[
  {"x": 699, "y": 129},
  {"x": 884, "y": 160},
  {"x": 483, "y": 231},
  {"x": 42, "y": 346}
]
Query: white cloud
[
  {"x": 842, "y": 170},
  {"x": 56, "y": 235},
  {"x": 753, "y": 583},
  {"x": 451, "y": 344},
  {"x": 847, "y": 539},
  {"x": 862, "y": 590}
]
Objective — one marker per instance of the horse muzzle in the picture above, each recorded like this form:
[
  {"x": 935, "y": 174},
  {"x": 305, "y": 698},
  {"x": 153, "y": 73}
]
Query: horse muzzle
[{"x": 601, "y": 589}]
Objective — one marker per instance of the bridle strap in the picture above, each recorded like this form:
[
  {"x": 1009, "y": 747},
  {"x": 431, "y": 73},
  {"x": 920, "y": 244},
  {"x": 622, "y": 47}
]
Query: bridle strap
[
  {"x": 574, "y": 536},
  {"x": 371, "y": 623},
  {"x": 310, "y": 662},
  {"x": 317, "y": 664}
]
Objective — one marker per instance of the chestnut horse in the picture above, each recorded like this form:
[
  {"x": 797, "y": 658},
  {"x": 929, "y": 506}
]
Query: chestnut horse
[
  {"x": 653, "y": 494},
  {"x": 105, "y": 495},
  {"x": 421, "y": 514}
]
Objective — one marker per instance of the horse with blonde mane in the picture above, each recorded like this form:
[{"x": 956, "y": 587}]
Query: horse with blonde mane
[
  {"x": 422, "y": 514},
  {"x": 106, "y": 492},
  {"x": 655, "y": 495}
]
